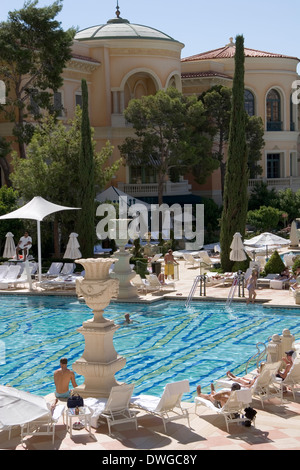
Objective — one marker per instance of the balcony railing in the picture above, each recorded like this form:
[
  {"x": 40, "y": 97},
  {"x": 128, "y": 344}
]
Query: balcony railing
[
  {"x": 151, "y": 189},
  {"x": 292, "y": 182}
]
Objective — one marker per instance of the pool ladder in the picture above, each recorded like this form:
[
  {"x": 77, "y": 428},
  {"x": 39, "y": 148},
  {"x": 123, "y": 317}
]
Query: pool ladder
[
  {"x": 259, "y": 355},
  {"x": 192, "y": 291}
]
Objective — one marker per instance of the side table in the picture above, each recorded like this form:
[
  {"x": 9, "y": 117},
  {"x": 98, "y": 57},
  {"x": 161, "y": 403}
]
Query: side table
[{"x": 84, "y": 415}]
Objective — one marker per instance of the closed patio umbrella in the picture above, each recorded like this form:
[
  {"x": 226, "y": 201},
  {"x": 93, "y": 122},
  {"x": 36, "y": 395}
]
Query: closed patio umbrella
[
  {"x": 9, "y": 247},
  {"x": 237, "y": 248},
  {"x": 72, "y": 250}
]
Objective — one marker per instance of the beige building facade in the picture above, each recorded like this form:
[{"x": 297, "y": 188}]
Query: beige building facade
[{"x": 121, "y": 61}]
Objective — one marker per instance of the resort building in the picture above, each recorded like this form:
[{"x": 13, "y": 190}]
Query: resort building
[{"x": 121, "y": 61}]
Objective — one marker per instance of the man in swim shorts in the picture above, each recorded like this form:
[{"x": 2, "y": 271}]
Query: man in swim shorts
[
  {"x": 218, "y": 398},
  {"x": 62, "y": 378}
]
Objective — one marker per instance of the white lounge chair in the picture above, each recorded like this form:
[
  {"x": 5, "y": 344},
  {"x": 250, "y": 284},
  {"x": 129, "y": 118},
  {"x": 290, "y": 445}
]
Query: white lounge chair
[
  {"x": 233, "y": 410},
  {"x": 139, "y": 283},
  {"x": 68, "y": 268},
  {"x": 205, "y": 259},
  {"x": 10, "y": 277},
  {"x": 263, "y": 387},
  {"x": 292, "y": 379},
  {"x": 189, "y": 260},
  {"x": 155, "y": 258},
  {"x": 168, "y": 406},
  {"x": 3, "y": 270},
  {"x": 54, "y": 269},
  {"x": 44, "y": 426},
  {"x": 154, "y": 284},
  {"x": 115, "y": 409}
]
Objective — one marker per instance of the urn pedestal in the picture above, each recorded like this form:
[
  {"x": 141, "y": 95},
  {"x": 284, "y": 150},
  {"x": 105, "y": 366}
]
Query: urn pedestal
[{"x": 100, "y": 361}]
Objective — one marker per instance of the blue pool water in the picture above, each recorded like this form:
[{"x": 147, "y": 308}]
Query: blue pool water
[{"x": 166, "y": 341}]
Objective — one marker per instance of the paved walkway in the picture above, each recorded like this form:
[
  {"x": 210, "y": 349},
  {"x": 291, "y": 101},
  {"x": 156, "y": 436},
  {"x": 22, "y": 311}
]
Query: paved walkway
[{"x": 277, "y": 425}]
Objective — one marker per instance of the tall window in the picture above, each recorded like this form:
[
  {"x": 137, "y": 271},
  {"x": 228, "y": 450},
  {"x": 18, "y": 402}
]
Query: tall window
[
  {"x": 273, "y": 165},
  {"x": 249, "y": 103},
  {"x": 292, "y": 118},
  {"x": 273, "y": 111},
  {"x": 142, "y": 175}
]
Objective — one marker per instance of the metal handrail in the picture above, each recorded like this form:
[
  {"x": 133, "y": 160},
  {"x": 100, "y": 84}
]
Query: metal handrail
[{"x": 259, "y": 355}]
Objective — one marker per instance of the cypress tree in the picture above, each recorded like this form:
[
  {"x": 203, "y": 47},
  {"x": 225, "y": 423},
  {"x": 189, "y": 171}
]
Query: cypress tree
[
  {"x": 235, "y": 200},
  {"x": 86, "y": 192}
]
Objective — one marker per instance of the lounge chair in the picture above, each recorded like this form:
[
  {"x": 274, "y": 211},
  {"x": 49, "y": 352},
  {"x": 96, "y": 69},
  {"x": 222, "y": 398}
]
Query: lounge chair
[
  {"x": 189, "y": 260},
  {"x": 115, "y": 408},
  {"x": 44, "y": 426},
  {"x": 168, "y": 406},
  {"x": 54, "y": 270},
  {"x": 10, "y": 277},
  {"x": 265, "y": 281},
  {"x": 154, "y": 284},
  {"x": 292, "y": 379},
  {"x": 139, "y": 283},
  {"x": 3, "y": 270},
  {"x": 263, "y": 387},
  {"x": 233, "y": 410},
  {"x": 68, "y": 268},
  {"x": 205, "y": 258},
  {"x": 155, "y": 258}
]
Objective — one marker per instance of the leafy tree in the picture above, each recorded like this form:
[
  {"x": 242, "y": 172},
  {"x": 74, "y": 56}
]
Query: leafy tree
[
  {"x": 264, "y": 219},
  {"x": 51, "y": 169},
  {"x": 262, "y": 196},
  {"x": 33, "y": 52},
  {"x": 289, "y": 203},
  {"x": 235, "y": 199},
  {"x": 171, "y": 133},
  {"x": 255, "y": 143}
]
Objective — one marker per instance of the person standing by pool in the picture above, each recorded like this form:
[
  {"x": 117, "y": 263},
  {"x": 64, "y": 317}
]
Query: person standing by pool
[
  {"x": 251, "y": 286},
  {"x": 169, "y": 264},
  {"x": 62, "y": 379}
]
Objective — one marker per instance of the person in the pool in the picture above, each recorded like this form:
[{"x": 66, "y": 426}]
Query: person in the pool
[
  {"x": 62, "y": 379},
  {"x": 218, "y": 398}
]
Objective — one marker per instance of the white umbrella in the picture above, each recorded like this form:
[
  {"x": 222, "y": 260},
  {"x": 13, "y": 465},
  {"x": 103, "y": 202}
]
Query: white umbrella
[
  {"x": 18, "y": 407},
  {"x": 37, "y": 209},
  {"x": 9, "y": 247},
  {"x": 237, "y": 248},
  {"x": 266, "y": 240},
  {"x": 72, "y": 250}
]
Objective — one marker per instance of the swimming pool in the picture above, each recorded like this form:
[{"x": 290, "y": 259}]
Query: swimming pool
[{"x": 165, "y": 342}]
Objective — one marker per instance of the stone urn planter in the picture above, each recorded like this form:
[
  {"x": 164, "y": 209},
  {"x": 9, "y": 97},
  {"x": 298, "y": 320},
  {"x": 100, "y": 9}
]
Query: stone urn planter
[{"x": 99, "y": 361}]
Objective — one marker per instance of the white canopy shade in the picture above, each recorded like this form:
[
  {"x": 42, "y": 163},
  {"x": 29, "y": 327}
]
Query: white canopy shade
[
  {"x": 37, "y": 209},
  {"x": 112, "y": 194}
]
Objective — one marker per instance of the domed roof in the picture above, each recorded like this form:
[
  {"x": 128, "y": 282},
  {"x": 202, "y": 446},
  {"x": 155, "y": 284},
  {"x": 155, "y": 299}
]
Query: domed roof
[{"x": 120, "y": 28}]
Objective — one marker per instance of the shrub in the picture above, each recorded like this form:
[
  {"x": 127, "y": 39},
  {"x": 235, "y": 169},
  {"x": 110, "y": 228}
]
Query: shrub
[{"x": 275, "y": 264}]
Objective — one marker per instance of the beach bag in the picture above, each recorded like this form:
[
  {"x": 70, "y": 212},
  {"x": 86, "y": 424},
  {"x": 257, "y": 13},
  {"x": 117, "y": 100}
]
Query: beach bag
[{"x": 74, "y": 400}]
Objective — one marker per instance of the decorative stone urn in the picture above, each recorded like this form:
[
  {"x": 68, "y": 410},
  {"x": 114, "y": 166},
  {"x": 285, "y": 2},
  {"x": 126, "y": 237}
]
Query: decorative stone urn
[
  {"x": 99, "y": 361},
  {"x": 122, "y": 270}
]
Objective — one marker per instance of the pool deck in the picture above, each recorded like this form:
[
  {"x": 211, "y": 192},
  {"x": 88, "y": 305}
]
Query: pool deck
[{"x": 277, "y": 426}]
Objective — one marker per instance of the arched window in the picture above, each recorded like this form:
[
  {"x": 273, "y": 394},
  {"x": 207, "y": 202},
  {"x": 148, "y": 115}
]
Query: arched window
[
  {"x": 273, "y": 111},
  {"x": 249, "y": 103}
]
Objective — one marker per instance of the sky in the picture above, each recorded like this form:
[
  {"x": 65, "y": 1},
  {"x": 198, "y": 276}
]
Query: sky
[{"x": 267, "y": 25}]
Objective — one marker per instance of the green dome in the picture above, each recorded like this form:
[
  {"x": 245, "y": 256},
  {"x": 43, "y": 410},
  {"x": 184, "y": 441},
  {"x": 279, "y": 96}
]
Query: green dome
[{"x": 119, "y": 28}]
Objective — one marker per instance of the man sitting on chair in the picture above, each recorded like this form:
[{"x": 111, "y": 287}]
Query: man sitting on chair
[{"x": 25, "y": 243}]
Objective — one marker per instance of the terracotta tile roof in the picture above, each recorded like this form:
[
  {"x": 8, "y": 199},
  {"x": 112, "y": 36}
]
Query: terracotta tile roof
[
  {"x": 84, "y": 58},
  {"x": 205, "y": 75},
  {"x": 228, "y": 52}
]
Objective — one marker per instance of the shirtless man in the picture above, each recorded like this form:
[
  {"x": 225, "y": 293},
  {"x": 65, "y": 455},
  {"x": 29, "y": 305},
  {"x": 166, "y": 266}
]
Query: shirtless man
[
  {"x": 218, "y": 398},
  {"x": 62, "y": 378}
]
